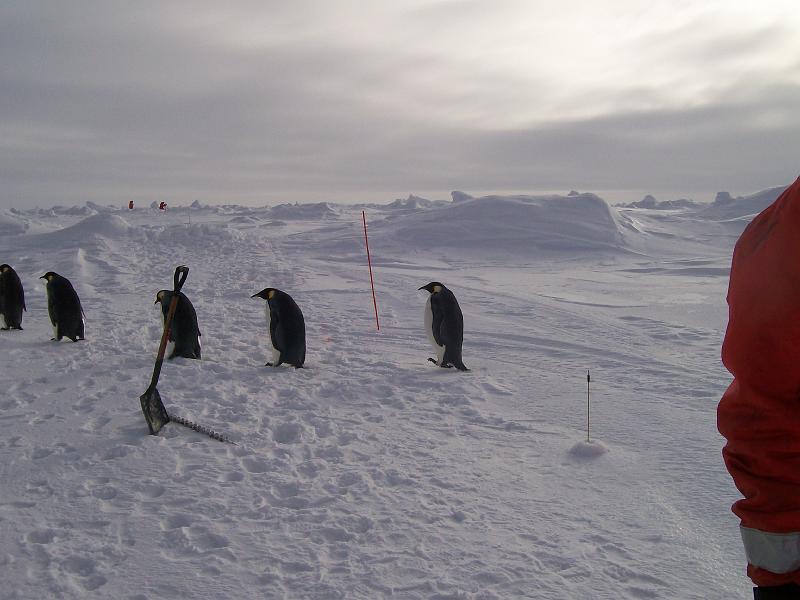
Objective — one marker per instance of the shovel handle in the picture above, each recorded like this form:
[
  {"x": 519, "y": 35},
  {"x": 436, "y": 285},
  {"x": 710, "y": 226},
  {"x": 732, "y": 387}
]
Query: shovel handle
[
  {"x": 181, "y": 273},
  {"x": 179, "y": 279}
]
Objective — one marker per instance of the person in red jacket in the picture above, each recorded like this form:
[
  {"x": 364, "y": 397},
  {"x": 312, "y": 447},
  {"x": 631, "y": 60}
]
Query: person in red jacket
[{"x": 759, "y": 414}]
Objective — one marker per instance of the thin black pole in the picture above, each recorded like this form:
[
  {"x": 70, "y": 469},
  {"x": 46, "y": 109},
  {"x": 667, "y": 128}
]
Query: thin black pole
[{"x": 588, "y": 383}]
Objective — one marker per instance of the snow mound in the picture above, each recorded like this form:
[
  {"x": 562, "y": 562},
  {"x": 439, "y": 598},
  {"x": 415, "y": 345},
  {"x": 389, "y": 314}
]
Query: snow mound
[
  {"x": 514, "y": 224},
  {"x": 221, "y": 236},
  {"x": 320, "y": 210},
  {"x": 11, "y": 224},
  {"x": 726, "y": 207},
  {"x": 412, "y": 202},
  {"x": 102, "y": 225},
  {"x": 460, "y": 196},
  {"x": 245, "y": 220},
  {"x": 588, "y": 449},
  {"x": 650, "y": 202},
  {"x": 100, "y": 208}
]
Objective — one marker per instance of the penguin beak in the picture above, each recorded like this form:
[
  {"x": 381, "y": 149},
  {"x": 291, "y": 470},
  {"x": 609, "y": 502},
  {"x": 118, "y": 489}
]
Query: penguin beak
[
  {"x": 256, "y": 295},
  {"x": 42, "y": 277}
]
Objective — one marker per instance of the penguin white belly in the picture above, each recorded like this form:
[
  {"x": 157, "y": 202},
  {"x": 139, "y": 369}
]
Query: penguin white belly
[
  {"x": 429, "y": 329},
  {"x": 3, "y": 321},
  {"x": 276, "y": 354}
]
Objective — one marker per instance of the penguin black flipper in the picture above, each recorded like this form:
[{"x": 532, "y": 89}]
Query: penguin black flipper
[
  {"x": 438, "y": 311},
  {"x": 273, "y": 331},
  {"x": 51, "y": 310}
]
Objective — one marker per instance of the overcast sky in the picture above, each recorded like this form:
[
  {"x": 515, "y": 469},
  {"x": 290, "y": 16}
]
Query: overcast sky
[{"x": 269, "y": 101}]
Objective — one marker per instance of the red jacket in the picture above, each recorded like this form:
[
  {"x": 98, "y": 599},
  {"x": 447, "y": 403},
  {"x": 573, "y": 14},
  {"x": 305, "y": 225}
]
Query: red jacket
[{"x": 759, "y": 414}]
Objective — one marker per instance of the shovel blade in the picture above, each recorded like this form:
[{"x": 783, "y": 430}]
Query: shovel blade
[{"x": 154, "y": 412}]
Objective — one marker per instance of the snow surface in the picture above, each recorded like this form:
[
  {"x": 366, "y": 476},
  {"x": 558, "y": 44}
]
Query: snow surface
[{"x": 371, "y": 473}]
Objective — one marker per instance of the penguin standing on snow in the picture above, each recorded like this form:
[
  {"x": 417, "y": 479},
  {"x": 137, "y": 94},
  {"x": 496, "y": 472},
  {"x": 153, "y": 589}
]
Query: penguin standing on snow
[
  {"x": 444, "y": 324},
  {"x": 184, "y": 331},
  {"x": 12, "y": 299},
  {"x": 287, "y": 328},
  {"x": 64, "y": 306}
]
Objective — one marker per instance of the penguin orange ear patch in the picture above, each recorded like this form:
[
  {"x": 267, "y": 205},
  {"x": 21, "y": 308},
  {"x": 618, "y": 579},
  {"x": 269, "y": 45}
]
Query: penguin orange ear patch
[
  {"x": 437, "y": 288},
  {"x": 270, "y": 294}
]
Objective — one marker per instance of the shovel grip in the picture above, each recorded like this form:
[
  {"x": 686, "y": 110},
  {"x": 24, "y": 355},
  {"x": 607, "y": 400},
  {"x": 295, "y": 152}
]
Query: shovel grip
[{"x": 181, "y": 273}]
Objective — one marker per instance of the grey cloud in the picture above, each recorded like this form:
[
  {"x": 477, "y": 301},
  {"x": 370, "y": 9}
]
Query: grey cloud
[{"x": 109, "y": 101}]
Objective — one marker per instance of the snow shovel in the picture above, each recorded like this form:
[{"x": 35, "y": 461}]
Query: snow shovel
[{"x": 154, "y": 412}]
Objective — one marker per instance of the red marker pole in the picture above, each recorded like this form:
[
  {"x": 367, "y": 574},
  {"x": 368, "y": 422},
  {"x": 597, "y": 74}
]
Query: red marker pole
[{"x": 369, "y": 262}]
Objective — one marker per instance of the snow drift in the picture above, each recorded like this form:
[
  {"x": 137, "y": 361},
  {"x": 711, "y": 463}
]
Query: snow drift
[
  {"x": 518, "y": 224},
  {"x": 726, "y": 207},
  {"x": 101, "y": 225},
  {"x": 11, "y": 224}
]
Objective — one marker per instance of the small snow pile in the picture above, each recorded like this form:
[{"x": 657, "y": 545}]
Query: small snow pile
[
  {"x": 320, "y": 210},
  {"x": 726, "y": 207},
  {"x": 11, "y": 224},
  {"x": 515, "y": 224},
  {"x": 588, "y": 449}
]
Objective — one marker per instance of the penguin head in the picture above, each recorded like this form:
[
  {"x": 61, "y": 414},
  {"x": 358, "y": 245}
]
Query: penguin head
[
  {"x": 433, "y": 287},
  {"x": 265, "y": 294},
  {"x": 160, "y": 296},
  {"x": 49, "y": 276},
  {"x": 4, "y": 267}
]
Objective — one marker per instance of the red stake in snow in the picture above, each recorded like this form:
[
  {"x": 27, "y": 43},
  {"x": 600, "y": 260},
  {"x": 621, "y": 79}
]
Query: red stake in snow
[{"x": 369, "y": 262}]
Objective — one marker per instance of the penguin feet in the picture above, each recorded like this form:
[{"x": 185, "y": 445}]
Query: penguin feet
[{"x": 267, "y": 364}]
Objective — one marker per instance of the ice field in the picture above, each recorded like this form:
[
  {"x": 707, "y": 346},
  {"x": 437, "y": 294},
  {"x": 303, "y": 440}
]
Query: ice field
[{"x": 371, "y": 473}]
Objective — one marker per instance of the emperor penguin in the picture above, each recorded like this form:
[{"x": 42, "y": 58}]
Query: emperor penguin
[
  {"x": 287, "y": 328},
  {"x": 64, "y": 306},
  {"x": 444, "y": 324},
  {"x": 184, "y": 331},
  {"x": 12, "y": 299}
]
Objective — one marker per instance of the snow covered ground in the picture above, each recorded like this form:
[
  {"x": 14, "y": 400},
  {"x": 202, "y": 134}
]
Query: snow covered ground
[{"x": 371, "y": 473}]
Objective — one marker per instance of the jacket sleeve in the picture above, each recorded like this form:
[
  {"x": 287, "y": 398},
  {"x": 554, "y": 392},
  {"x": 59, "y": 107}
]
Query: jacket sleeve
[{"x": 759, "y": 414}]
